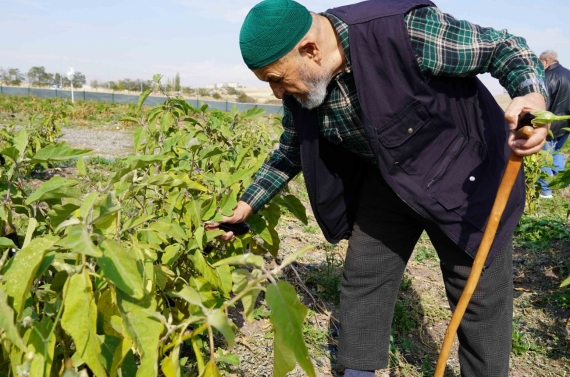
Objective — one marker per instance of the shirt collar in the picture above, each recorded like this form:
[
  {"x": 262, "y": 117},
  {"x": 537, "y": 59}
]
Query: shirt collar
[{"x": 341, "y": 29}]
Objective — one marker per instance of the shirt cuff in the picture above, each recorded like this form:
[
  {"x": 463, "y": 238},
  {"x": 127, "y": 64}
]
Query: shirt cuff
[
  {"x": 255, "y": 196},
  {"x": 532, "y": 85}
]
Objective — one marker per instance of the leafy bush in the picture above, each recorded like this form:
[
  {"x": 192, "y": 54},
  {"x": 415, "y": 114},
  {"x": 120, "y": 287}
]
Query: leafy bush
[
  {"x": 119, "y": 279},
  {"x": 244, "y": 98}
]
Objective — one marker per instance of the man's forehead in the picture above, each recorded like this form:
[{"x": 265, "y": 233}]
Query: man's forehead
[{"x": 273, "y": 70}]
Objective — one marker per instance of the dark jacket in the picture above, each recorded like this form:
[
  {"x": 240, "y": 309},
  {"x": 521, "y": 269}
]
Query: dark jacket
[
  {"x": 440, "y": 144},
  {"x": 558, "y": 86}
]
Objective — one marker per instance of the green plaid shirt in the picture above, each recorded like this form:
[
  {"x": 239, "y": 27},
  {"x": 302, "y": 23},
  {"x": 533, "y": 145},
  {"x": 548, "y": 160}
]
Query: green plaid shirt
[{"x": 444, "y": 47}]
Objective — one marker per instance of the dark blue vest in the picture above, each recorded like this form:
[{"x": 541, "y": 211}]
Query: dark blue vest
[{"x": 441, "y": 144}]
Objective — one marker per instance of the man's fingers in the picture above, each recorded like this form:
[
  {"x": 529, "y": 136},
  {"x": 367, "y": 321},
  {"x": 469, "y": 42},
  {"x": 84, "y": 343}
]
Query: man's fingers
[
  {"x": 227, "y": 237},
  {"x": 525, "y": 147}
]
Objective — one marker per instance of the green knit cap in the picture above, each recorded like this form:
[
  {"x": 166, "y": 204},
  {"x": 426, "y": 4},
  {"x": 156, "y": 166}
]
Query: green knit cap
[{"x": 271, "y": 29}]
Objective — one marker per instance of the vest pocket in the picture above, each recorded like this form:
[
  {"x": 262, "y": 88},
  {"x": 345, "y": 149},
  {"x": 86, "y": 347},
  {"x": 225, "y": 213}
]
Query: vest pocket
[
  {"x": 411, "y": 139},
  {"x": 463, "y": 175}
]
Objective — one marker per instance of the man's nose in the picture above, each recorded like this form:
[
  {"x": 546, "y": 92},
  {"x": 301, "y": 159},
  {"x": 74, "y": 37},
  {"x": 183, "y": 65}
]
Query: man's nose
[{"x": 278, "y": 89}]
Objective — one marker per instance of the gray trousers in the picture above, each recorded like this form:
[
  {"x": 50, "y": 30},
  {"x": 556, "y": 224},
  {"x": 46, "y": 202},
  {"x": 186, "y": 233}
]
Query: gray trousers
[{"x": 382, "y": 241}]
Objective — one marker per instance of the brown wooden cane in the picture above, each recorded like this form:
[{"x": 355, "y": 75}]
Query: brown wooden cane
[{"x": 507, "y": 182}]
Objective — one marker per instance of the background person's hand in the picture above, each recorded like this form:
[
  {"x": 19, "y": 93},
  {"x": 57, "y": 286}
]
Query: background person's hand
[
  {"x": 515, "y": 110},
  {"x": 241, "y": 213}
]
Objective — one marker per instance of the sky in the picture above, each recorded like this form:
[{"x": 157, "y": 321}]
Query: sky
[{"x": 115, "y": 39}]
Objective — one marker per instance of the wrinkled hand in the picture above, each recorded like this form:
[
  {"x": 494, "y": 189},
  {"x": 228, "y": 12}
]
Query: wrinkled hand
[
  {"x": 516, "y": 109},
  {"x": 241, "y": 212}
]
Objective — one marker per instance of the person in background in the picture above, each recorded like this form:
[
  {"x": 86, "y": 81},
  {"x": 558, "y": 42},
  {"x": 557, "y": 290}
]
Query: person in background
[
  {"x": 396, "y": 136},
  {"x": 558, "y": 87}
]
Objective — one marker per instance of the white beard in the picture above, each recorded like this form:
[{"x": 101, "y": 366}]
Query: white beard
[{"x": 317, "y": 88}]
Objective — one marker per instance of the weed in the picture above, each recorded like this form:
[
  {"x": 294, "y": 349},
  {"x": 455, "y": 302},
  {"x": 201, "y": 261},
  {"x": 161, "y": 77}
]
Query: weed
[
  {"x": 425, "y": 253},
  {"x": 311, "y": 229},
  {"x": 261, "y": 312},
  {"x": 327, "y": 277},
  {"x": 537, "y": 231},
  {"x": 521, "y": 342}
]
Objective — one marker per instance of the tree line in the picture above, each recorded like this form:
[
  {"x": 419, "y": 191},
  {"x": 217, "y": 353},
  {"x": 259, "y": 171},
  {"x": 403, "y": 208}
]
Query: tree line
[{"x": 39, "y": 77}]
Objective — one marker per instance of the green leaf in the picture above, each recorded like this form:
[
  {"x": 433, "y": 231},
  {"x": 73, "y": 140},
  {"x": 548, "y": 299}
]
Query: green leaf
[
  {"x": 144, "y": 95},
  {"x": 293, "y": 256},
  {"x": 121, "y": 268},
  {"x": 247, "y": 259},
  {"x": 267, "y": 234},
  {"x": 57, "y": 187},
  {"x": 211, "y": 370},
  {"x": 138, "y": 137},
  {"x": 297, "y": 208},
  {"x": 171, "y": 180},
  {"x": 109, "y": 345},
  {"x": 11, "y": 152},
  {"x": 79, "y": 241},
  {"x": 225, "y": 277},
  {"x": 21, "y": 141},
  {"x": 171, "y": 254},
  {"x": 7, "y": 322},
  {"x": 22, "y": 270},
  {"x": 79, "y": 320},
  {"x": 252, "y": 113},
  {"x": 60, "y": 212},
  {"x": 136, "y": 162},
  {"x": 209, "y": 209},
  {"x": 6, "y": 243},
  {"x": 189, "y": 294},
  {"x": 136, "y": 221},
  {"x": 223, "y": 324},
  {"x": 205, "y": 269},
  {"x": 229, "y": 202},
  {"x": 81, "y": 167},
  {"x": 87, "y": 205},
  {"x": 166, "y": 120},
  {"x": 30, "y": 231},
  {"x": 560, "y": 180},
  {"x": 565, "y": 282},
  {"x": 58, "y": 152},
  {"x": 43, "y": 345},
  {"x": 240, "y": 279},
  {"x": 228, "y": 358},
  {"x": 287, "y": 317},
  {"x": 170, "y": 365},
  {"x": 143, "y": 329}
]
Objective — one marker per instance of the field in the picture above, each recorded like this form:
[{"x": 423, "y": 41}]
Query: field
[{"x": 157, "y": 194}]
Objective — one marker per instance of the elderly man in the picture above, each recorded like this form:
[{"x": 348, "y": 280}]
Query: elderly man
[
  {"x": 558, "y": 86},
  {"x": 395, "y": 136}
]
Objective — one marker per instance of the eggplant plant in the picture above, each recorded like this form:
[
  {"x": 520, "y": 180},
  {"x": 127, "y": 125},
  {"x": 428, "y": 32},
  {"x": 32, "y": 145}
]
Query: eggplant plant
[{"x": 120, "y": 279}]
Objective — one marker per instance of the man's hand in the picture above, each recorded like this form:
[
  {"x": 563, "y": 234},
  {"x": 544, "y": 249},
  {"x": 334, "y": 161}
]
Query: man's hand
[
  {"x": 516, "y": 109},
  {"x": 241, "y": 212}
]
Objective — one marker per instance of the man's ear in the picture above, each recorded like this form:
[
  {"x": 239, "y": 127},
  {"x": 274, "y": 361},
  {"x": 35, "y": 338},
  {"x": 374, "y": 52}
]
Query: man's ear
[{"x": 310, "y": 49}]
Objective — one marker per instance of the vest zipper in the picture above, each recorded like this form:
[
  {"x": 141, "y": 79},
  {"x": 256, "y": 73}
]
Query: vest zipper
[{"x": 446, "y": 165}]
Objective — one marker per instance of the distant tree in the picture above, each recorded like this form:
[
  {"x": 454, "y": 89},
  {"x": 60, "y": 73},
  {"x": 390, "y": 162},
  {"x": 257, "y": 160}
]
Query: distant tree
[
  {"x": 232, "y": 91},
  {"x": 187, "y": 90},
  {"x": 203, "y": 92},
  {"x": 57, "y": 80},
  {"x": 11, "y": 76},
  {"x": 94, "y": 84},
  {"x": 176, "y": 83},
  {"x": 244, "y": 98},
  {"x": 216, "y": 96},
  {"x": 78, "y": 80},
  {"x": 39, "y": 77}
]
